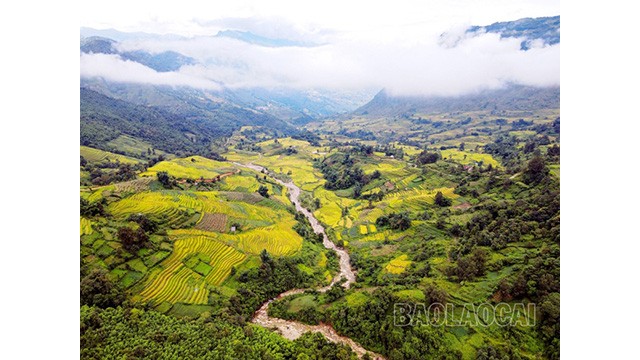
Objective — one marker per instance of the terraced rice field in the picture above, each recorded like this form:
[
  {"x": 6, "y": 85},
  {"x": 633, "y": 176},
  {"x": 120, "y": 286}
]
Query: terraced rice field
[
  {"x": 98, "y": 193},
  {"x": 240, "y": 183},
  {"x": 96, "y": 155},
  {"x": 466, "y": 157},
  {"x": 176, "y": 282},
  {"x": 212, "y": 203},
  {"x": 213, "y": 222},
  {"x": 248, "y": 184},
  {"x": 379, "y": 236},
  {"x": 136, "y": 185},
  {"x": 398, "y": 265},
  {"x": 331, "y": 211},
  {"x": 185, "y": 168},
  {"x": 391, "y": 169},
  {"x": 298, "y": 167},
  {"x": 416, "y": 199},
  {"x": 278, "y": 239},
  {"x": 171, "y": 207},
  {"x": 85, "y": 227}
]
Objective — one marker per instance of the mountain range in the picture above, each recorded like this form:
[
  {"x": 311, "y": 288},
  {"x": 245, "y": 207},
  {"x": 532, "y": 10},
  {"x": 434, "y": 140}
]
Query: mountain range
[{"x": 189, "y": 120}]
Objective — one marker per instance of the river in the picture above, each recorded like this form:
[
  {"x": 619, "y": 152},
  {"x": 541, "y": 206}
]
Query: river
[{"x": 293, "y": 329}]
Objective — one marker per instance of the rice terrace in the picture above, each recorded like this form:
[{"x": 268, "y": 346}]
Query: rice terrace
[{"x": 265, "y": 220}]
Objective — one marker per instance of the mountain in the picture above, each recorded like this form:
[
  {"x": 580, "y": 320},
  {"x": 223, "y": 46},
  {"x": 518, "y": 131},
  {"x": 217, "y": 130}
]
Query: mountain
[
  {"x": 283, "y": 103},
  {"x": 513, "y": 97},
  {"x": 162, "y": 62},
  {"x": 98, "y": 45},
  {"x": 300, "y": 106},
  {"x": 179, "y": 121},
  {"x": 545, "y": 29}
]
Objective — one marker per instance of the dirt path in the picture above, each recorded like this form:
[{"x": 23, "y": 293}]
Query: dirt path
[{"x": 292, "y": 329}]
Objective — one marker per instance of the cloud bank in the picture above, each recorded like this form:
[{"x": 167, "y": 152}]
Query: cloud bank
[
  {"x": 423, "y": 65},
  {"x": 113, "y": 68}
]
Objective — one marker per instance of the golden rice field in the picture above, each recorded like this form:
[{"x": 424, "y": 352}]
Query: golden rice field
[
  {"x": 96, "y": 155},
  {"x": 239, "y": 183},
  {"x": 278, "y": 239},
  {"x": 391, "y": 169},
  {"x": 212, "y": 203},
  {"x": 470, "y": 141},
  {"x": 85, "y": 227},
  {"x": 330, "y": 213},
  {"x": 378, "y": 236},
  {"x": 171, "y": 207},
  {"x": 176, "y": 282},
  {"x": 370, "y": 215},
  {"x": 249, "y": 184},
  {"x": 99, "y": 193},
  {"x": 398, "y": 265},
  {"x": 408, "y": 149},
  {"x": 466, "y": 157},
  {"x": 296, "y": 167},
  {"x": 186, "y": 169},
  {"x": 322, "y": 261},
  {"x": 132, "y": 186},
  {"x": 406, "y": 182},
  {"x": 416, "y": 199}
]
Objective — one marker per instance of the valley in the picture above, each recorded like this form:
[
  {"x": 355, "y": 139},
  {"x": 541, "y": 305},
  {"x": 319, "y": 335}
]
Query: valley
[
  {"x": 234, "y": 209},
  {"x": 210, "y": 240}
]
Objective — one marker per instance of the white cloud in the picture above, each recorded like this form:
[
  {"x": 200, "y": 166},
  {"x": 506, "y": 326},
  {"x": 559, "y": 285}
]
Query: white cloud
[
  {"x": 368, "y": 45},
  {"x": 420, "y": 67},
  {"x": 113, "y": 68}
]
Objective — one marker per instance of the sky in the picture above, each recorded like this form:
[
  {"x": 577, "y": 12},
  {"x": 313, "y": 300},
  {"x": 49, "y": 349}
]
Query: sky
[{"x": 361, "y": 45}]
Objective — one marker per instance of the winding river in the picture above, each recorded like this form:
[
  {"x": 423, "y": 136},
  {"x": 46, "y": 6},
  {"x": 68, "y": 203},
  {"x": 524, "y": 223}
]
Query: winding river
[{"x": 293, "y": 329}]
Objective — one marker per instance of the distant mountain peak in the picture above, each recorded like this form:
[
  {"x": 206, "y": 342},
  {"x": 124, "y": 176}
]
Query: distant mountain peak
[
  {"x": 533, "y": 32},
  {"x": 161, "y": 62},
  {"x": 545, "y": 29},
  {"x": 511, "y": 97}
]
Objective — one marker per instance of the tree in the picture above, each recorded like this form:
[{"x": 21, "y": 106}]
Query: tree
[
  {"x": 264, "y": 191},
  {"x": 164, "y": 179},
  {"x": 553, "y": 151},
  {"x": 396, "y": 221},
  {"x": 536, "y": 171},
  {"x": 357, "y": 191},
  {"x": 92, "y": 208},
  {"x": 145, "y": 223},
  {"x": 83, "y": 161},
  {"x": 427, "y": 157},
  {"x": 441, "y": 200},
  {"x": 131, "y": 240},
  {"x": 96, "y": 289}
]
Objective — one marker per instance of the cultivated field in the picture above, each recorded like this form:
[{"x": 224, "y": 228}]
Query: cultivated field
[
  {"x": 97, "y": 155},
  {"x": 196, "y": 263}
]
